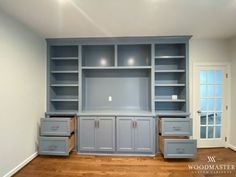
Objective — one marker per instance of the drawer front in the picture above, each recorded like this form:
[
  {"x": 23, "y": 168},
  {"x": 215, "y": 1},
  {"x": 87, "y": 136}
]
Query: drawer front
[
  {"x": 56, "y": 126},
  {"x": 176, "y": 127},
  {"x": 54, "y": 146},
  {"x": 179, "y": 148}
]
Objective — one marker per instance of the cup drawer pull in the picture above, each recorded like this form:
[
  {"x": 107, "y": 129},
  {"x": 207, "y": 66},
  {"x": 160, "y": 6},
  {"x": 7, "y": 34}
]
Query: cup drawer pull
[
  {"x": 54, "y": 127},
  {"x": 52, "y": 147},
  {"x": 176, "y": 128},
  {"x": 180, "y": 150}
]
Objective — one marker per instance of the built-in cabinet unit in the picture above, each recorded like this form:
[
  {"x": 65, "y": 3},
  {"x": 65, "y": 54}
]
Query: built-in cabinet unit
[
  {"x": 57, "y": 136},
  {"x": 63, "y": 83},
  {"x": 135, "y": 134},
  {"x": 119, "y": 88},
  {"x": 170, "y": 78},
  {"x": 97, "y": 134}
]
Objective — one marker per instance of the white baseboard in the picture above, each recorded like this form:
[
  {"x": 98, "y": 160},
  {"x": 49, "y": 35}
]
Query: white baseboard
[
  {"x": 232, "y": 147},
  {"x": 21, "y": 165}
]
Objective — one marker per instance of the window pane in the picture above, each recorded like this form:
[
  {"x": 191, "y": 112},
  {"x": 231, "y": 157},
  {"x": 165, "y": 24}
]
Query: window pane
[
  {"x": 218, "y": 132},
  {"x": 203, "y": 132},
  {"x": 211, "y": 77},
  {"x": 218, "y": 77},
  {"x": 218, "y": 104},
  {"x": 210, "y": 105},
  {"x": 210, "y": 131},
  {"x": 218, "y": 118},
  {"x": 203, "y": 77},
  {"x": 210, "y": 91},
  {"x": 218, "y": 92},
  {"x": 203, "y": 105},
  {"x": 203, "y": 91},
  {"x": 210, "y": 118},
  {"x": 203, "y": 118}
]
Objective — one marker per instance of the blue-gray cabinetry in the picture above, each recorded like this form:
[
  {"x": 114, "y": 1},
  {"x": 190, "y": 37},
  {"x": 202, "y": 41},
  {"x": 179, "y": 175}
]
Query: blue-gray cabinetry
[
  {"x": 135, "y": 134},
  {"x": 57, "y": 136},
  {"x": 97, "y": 134}
]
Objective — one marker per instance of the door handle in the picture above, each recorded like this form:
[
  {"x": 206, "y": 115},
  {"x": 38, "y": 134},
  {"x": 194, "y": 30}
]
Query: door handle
[
  {"x": 95, "y": 124},
  {"x": 199, "y": 111},
  {"x": 133, "y": 124},
  {"x": 136, "y": 124},
  {"x": 98, "y": 123}
]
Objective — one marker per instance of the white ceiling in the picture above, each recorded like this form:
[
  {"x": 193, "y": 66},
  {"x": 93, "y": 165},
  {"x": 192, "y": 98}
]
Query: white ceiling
[{"x": 102, "y": 18}]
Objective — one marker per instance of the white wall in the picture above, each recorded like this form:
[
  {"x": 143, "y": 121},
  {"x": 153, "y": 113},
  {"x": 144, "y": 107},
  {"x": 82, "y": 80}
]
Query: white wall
[
  {"x": 205, "y": 51},
  {"x": 22, "y": 91},
  {"x": 233, "y": 95}
]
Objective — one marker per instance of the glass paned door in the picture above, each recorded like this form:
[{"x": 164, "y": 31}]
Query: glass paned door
[
  {"x": 210, "y": 113},
  {"x": 210, "y": 103}
]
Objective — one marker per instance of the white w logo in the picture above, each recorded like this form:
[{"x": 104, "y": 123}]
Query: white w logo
[{"x": 211, "y": 158}]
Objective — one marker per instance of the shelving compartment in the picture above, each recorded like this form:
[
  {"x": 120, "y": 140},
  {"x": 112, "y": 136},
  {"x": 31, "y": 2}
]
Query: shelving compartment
[
  {"x": 64, "y": 52},
  {"x": 117, "y": 90},
  {"x": 164, "y": 94},
  {"x": 64, "y": 106},
  {"x": 134, "y": 55},
  {"x": 170, "y": 79},
  {"x": 64, "y": 93},
  {"x": 67, "y": 79},
  {"x": 98, "y": 55},
  {"x": 169, "y": 51},
  {"x": 170, "y": 64},
  {"x": 168, "y": 107},
  {"x": 64, "y": 65}
]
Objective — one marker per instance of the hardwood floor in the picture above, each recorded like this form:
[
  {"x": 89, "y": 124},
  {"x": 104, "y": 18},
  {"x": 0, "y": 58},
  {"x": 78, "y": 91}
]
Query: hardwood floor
[{"x": 112, "y": 166}]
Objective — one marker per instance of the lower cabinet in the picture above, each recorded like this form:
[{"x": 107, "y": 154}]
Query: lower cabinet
[
  {"x": 135, "y": 134},
  {"x": 97, "y": 134}
]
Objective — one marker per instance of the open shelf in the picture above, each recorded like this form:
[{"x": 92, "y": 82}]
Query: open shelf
[
  {"x": 64, "y": 106},
  {"x": 64, "y": 65},
  {"x": 134, "y": 55},
  {"x": 130, "y": 90},
  {"x": 98, "y": 55},
  {"x": 67, "y": 51},
  {"x": 170, "y": 78},
  {"x": 64, "y": 85},
  {"x": 174, "y": 50},
  {"x": 64, "y": 100},
  {"x": 64, "y": 58},
  {"x": 64, "y": 72},
  {"x": 170, "y": 106},
  {"x": 170, "y": 71},
  {"x": 169, "y": 57}
]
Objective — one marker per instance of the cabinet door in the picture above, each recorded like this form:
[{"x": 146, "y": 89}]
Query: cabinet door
[
  {"x": 144, "y": 134},
  {"x": 105, "y": 134},
  {"x": 87, "y": 134},
  {"x": 125, "y": 134}
]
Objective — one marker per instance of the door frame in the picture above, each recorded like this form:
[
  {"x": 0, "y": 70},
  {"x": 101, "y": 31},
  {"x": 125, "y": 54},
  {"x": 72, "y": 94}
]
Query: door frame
[{"x": 227, "y": 97}]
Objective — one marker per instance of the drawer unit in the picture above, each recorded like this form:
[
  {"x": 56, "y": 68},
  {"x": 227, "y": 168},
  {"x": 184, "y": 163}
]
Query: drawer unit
[
  {"x": 56, "y": 145},
  {"x": 57, "y": 126},
  {"x": 179, "y": 147},
  {"x": 175, "y": 126}
]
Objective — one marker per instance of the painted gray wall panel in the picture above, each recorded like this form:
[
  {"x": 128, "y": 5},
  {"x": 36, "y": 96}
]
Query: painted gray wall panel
[
  {"x": 87, "y": 134},
  {"x": 125, "y": 134},
  {"x": 105, "y": 134},
  {"x": 128, "y": 93}
]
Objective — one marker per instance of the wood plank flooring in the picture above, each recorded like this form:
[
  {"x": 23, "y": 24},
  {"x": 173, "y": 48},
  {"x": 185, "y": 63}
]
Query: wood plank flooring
[{"x": 112, "y": 166}]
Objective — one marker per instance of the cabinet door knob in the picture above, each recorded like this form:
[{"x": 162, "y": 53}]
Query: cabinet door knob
[{"x": 199, "y": 111}]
